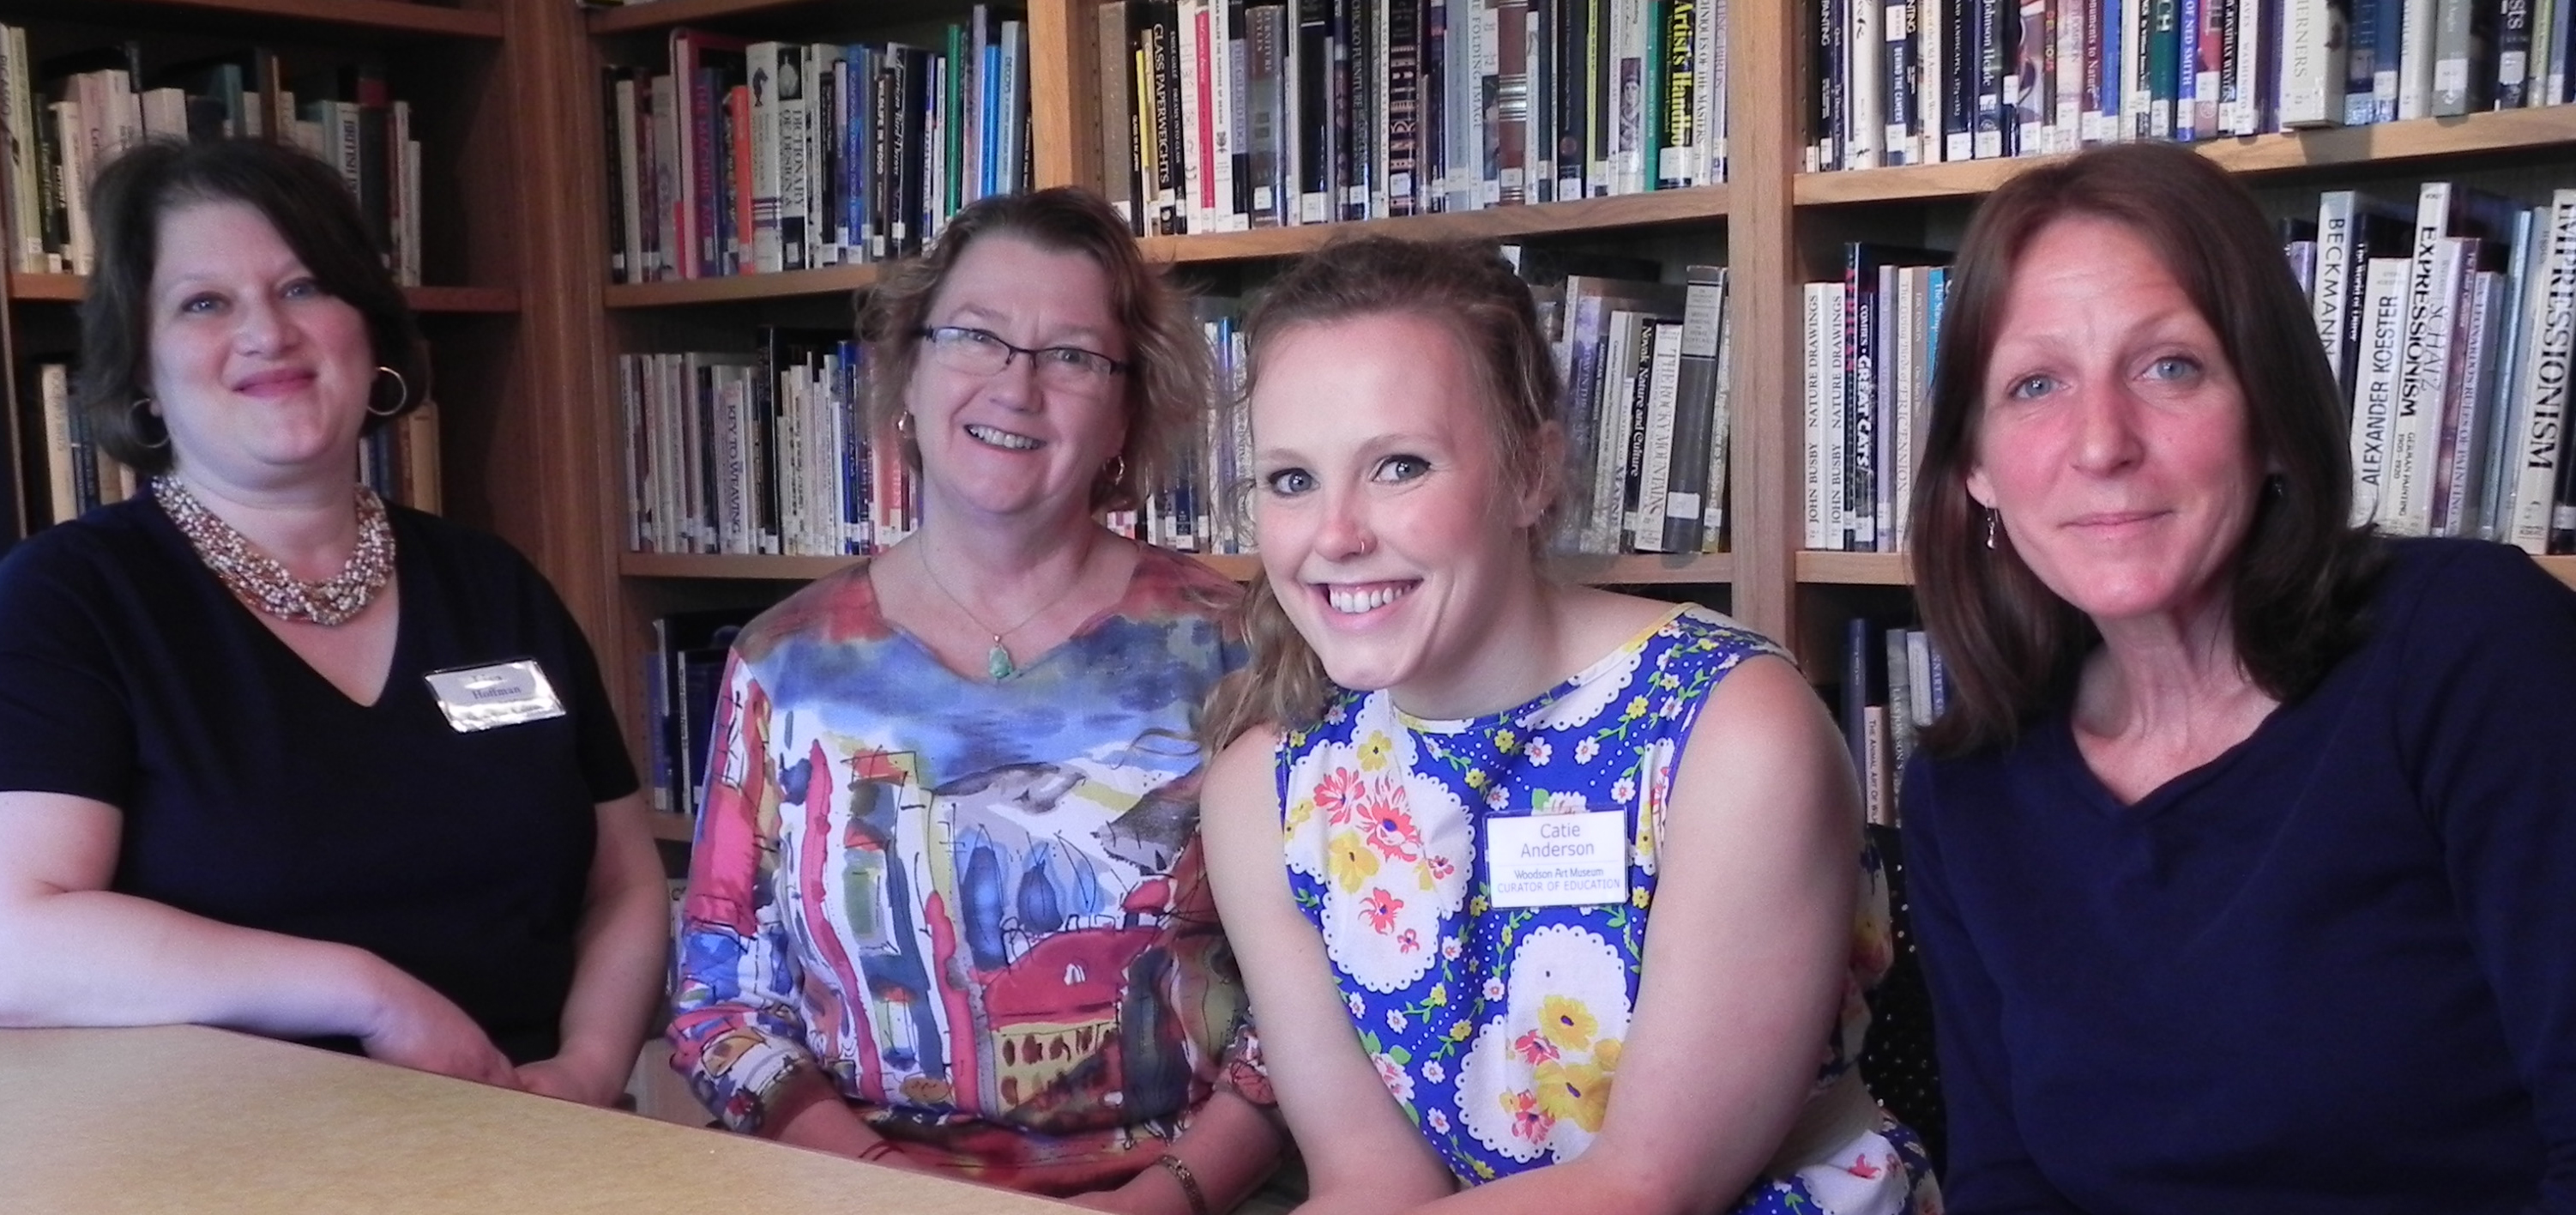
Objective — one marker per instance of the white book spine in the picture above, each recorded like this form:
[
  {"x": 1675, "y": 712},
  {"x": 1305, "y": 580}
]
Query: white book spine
[
  {"x": 2331, "y": 300},
  {"x": 2374, "y": 405},
  {"x": 2541, "y": 404},
  {"x": 1864, "y": 85},
  {"x": 2312, "y": 67},
  {"x": 2415, "y": 61},
  {"x": 2416, "y": 435},
  {"x": 1654, "y": 478}
]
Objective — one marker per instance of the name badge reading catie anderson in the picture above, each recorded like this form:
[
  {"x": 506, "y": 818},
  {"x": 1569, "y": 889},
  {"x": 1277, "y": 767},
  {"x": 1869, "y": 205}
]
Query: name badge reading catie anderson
[
  {"x": 502, "y": 694},
  {"x": 1558, "y": 860}
]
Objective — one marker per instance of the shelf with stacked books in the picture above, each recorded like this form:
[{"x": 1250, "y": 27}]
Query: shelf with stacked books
[
  {"x": 395, "y": 17},
  {"x": 1584, "y": 216},
  {"x": 1634, "y": 569},
  {"x": 664, "y": 14},
  {"x": 2495, "y": 131},
  {"x": 739, "y": 288}
]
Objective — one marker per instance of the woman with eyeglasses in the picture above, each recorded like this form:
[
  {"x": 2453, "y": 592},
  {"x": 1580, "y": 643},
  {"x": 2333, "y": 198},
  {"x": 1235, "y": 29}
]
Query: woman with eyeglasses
[{"x": 947, "y": 909}]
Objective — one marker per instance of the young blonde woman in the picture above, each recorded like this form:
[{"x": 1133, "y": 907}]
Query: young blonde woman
[{"x": 1550, "y": 898}]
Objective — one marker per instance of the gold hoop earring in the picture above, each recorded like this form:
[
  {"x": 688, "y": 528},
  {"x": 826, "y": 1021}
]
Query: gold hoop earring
[
  {"x": 903, "y": 425},
  {"x": 1115, "y": 469},
  {"x": 135, "y": 423},
  {"x": 398, "y": 404}
]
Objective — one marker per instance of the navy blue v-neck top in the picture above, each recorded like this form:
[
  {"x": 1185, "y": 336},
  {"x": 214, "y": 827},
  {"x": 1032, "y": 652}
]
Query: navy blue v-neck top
[
  {"x": 256, "y": 793},
  {"x": 2332, "y": 970}
]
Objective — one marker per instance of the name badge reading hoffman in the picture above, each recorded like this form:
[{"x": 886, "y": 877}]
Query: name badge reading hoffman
[
  {"x": 1558, "y": 860},
  {"x": 502, "y": 694}
]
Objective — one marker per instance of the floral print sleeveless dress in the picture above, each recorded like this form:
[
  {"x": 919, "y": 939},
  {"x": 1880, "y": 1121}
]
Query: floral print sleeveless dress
[{"x": 1498, "y": 1029}]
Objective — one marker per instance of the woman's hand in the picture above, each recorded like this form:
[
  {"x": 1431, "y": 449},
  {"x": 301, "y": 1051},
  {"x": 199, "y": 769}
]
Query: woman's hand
[
  {"x": 418, "y": 1028},
  {"x": 1152, "y": 1192},
  {"x": 567, "y": 1079}
]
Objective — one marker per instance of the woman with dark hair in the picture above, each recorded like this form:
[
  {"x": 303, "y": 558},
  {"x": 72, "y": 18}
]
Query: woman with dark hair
[
  {"x": 947, "y": 908},
  {"x": 2241, "y": 857},
  {"x": 277, "y": 755},
  {"x": 1551, "y": 899}
]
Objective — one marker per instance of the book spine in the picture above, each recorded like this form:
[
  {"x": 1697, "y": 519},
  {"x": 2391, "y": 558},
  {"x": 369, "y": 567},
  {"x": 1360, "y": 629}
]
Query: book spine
[
  {"x": 2374, "y": 406},
  {"x": 2541, "y": 405}
]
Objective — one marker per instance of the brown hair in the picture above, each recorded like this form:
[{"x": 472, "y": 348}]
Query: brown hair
[
  {"x": 1468, "y": 289},
  {"x": 2298, "y": 582},
  {"x": 303, "y": 199},
  {"x": 1167, "y": 360}
]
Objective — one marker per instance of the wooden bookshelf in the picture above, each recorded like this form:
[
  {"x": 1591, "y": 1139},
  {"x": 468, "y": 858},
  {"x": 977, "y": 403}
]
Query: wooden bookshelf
[
  {"x": 69, "y": 288},
  {"x": 1854, "y": 569},
  {"x": 1631, "y": 570},
  {"x": 738, "y": 288},
  {"x": 399, "y": 17},
  {"x": 2499, "y": 131},
  {"x": 664, "y": 14},
  {"x": 2561, "y": 568},
  {"x": 1702, "y": 203},
  {"x": 677, "y": 828}
]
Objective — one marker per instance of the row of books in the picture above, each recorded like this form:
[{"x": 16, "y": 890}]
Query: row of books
[
  {"x": 762, "y": 451},
  {"x": 1222, "y": 115},
  {"x": 755, "y": 157},
  {"x": 2447, "y": 323},
  {"x": 97, "y": 103},
  {"x": 68, "y": 474},
  {"x": 1928, "y": 81},
  {"x": 1894, "y": 684},
  {"x": 1646, "y": 410},
  {"x": 2448, "y": 328},
  {"x": 765, "y": 452},
  {"x": 1868, "y": 371}
]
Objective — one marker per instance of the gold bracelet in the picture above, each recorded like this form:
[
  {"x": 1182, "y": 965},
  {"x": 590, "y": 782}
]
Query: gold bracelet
[{"x": 1189, "y": 1182}]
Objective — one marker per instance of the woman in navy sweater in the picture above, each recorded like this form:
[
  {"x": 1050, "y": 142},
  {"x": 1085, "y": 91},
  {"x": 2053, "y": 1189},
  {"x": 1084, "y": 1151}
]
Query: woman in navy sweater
[{"x": 2242, "y": 856}]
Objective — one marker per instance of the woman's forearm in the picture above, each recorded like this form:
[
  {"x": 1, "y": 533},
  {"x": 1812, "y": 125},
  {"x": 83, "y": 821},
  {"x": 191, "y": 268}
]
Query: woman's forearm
[{"x": 622, "y": 950}]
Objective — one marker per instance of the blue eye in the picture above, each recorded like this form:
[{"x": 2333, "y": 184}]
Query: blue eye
[
  {"x": 2031, "y": 388},
  {"x": 1288, "y": 482},
  {"x": 1402, "y": 468},
  {"x": 2174, "y": 367},
  {"x": 303, "y": 289},
  {"x": 200, "y": 304}
]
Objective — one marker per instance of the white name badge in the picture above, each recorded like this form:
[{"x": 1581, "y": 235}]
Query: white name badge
[
  {"x": 1558, "y": 860},
  {"x": 502, "y": 694}
]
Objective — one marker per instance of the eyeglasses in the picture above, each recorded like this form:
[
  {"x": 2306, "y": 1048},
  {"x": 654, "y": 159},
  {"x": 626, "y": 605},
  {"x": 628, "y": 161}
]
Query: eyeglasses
[{"x": 981, "y": 352}]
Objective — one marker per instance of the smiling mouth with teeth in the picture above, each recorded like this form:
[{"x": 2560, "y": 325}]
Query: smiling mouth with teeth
[
  {"x": 1354, "y": 601},
  {"x": 1002, "y": 439}
]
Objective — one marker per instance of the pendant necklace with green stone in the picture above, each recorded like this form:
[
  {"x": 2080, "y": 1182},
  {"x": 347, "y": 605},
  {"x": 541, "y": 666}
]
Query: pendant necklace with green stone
[{"x": 997, "y": 661}]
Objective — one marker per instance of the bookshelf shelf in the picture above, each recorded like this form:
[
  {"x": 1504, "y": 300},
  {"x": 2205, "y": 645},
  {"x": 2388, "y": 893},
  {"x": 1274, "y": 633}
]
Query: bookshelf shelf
[
  {"x": 664, "y": 14},
  {"x": 2560, "y": 568},
  {"x": 677, "y": 828},
  {"x": 1698, "y": 203},
  {"x": 385, "y": 16},
  {"x": 1855, "y": 569},
  {"x": 68, "y": 288},
  {"x": 735, "y": 288},
  {"x": 1631, "y": 570},
  {"x": 2494, "y": 131}
]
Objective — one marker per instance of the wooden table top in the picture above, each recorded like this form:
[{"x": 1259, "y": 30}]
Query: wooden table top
[{"x": 188, "y": 1119}]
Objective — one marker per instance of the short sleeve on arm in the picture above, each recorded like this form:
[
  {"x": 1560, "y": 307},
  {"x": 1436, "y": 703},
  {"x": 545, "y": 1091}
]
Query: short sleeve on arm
[{"x": 65, "y": 724}]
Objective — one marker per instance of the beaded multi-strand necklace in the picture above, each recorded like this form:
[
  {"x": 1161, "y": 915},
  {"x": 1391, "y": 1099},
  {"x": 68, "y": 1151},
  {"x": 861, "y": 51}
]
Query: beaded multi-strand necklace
[{"x": 257, "y": 579}]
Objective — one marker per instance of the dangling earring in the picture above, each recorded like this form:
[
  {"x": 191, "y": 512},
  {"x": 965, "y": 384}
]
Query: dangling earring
[
  {"x": 405, "y": 399},
  {"x": 903, "y": 426},
  {"x": 134, "y": 415},
  {"x": 1991, "y": 516}
]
